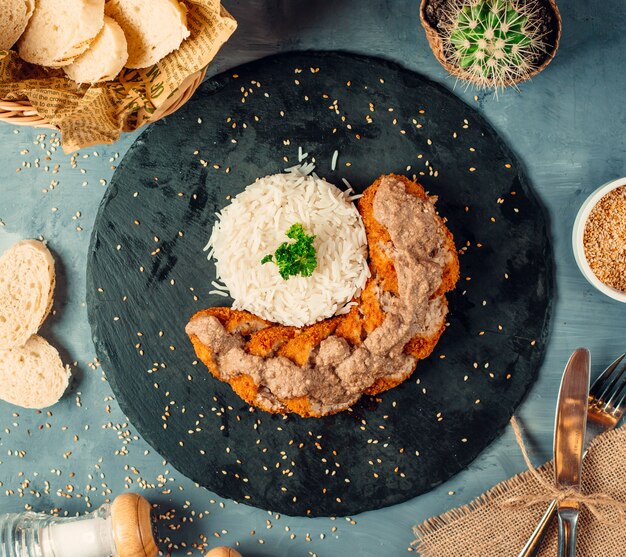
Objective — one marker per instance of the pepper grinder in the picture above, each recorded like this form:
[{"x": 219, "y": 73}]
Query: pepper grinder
[{"x": 123, "y": 528}]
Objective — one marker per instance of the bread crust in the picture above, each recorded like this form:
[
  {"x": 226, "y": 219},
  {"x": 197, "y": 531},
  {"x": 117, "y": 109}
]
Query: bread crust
[
  {"x": 105, "y": 57},
  {"x": 22, "y": 315},
  {"x": 59, "y": 31},
  {"x": 148, "y": 43},
  {"x": 268, "y": 340},
  {"x": 33, "y": 375},
  {"x": 15, "y": 17}
]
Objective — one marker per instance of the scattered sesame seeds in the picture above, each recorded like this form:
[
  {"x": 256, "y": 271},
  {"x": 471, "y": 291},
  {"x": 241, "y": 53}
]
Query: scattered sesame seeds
[{"x": 176, "y": 520}]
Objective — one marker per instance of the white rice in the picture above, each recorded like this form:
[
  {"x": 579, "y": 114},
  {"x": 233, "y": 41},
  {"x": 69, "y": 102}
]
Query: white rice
[
  {"x": 219, "y": 293},
  {"x": 254, "y": 225},
  {"x": 350, "y": 192}
]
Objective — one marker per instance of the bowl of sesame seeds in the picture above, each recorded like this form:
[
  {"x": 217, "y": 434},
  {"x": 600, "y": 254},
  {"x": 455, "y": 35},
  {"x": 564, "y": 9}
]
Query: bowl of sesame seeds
[{"x": 599, "y": 239}]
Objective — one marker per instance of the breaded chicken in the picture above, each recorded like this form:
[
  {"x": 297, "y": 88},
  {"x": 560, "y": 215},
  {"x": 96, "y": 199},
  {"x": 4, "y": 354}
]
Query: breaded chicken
[{"x": 269, "y": 340}]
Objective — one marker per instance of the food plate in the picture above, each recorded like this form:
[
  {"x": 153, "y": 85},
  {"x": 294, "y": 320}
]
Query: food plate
[{"x": 147, "y": 275}]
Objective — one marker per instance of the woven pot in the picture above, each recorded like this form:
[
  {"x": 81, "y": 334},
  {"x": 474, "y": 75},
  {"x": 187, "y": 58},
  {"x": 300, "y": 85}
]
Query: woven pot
[
  {"x": 436, "y": 44},
  {"x": 21, "y": 113}
]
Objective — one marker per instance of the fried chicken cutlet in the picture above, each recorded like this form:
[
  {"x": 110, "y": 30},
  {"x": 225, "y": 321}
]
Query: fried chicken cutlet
[{"x": 326, "y": 367}]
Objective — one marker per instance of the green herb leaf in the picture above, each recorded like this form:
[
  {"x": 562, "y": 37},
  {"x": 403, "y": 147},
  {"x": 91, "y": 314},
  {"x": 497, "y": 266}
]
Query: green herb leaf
[{"x": 297, "y": 258}]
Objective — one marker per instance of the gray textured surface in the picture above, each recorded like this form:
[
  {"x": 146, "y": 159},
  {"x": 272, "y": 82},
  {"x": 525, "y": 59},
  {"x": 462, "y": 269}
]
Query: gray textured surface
[
  {"x": 568, "y": 128},
  {"x": 135, "y": 289}
]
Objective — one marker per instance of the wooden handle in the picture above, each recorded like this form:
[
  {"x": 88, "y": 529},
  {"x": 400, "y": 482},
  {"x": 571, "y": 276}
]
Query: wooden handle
[
  {"x": 132, "y": 526},
  {"x": 223, "y": 552}
]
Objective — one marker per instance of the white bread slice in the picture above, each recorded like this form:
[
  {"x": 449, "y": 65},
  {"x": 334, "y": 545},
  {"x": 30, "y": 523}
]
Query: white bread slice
[
  {"x": 153, "y": 28},
  {"x": 13, "y": 20},
  {"x": 32, "y": 376},
  {"x": 60, "y": 30},
  {"x": 27, "y": 282},
  {"x": 104, "y": 59}
]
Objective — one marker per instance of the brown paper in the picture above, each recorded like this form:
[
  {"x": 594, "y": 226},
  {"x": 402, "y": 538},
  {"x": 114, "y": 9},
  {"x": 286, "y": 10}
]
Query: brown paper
[
  {"x": 92, "y": 114},
  {"x": 491, "y": 527}
]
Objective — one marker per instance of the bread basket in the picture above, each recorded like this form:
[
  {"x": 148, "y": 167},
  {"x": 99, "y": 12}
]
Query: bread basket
[{"x": 21, "y": 113}]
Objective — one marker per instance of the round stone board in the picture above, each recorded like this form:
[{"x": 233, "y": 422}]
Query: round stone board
[{"x": 148, "y": 274}]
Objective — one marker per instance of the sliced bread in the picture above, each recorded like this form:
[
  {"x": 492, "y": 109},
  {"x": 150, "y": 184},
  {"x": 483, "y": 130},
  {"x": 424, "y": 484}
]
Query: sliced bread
[
  {"x": 60, "y": 30},
  {"x": 33, "y": 375},
  {"x": 104, "y": 59},
  {"x": 27, "y": 282},
  {"x": 13, "y": 21},
  {"x": 153, "y": 28}
]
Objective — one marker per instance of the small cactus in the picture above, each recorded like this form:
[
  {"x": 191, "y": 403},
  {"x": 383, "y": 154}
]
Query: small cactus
[{"x": 495, "y": 42}]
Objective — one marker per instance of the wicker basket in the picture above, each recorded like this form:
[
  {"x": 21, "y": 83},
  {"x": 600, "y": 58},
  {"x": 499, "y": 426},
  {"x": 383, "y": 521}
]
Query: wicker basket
[
  {"x": 436, "y": 44},
  {"x": 21, "y": 113}
]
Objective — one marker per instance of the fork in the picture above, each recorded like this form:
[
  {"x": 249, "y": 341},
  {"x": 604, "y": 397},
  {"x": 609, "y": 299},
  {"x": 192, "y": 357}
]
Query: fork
[{"x": 607, "y": 405}]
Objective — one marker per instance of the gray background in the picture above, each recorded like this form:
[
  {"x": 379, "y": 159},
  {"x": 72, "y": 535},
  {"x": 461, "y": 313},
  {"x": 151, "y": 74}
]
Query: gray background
[{"x": 567, "y": 126}]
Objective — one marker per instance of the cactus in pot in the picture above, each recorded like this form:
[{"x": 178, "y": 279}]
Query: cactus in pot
[{"x": 493, "y": 43}]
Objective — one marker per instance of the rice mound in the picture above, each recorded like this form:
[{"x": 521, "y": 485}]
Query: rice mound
[{"x": 255, "y": 224}]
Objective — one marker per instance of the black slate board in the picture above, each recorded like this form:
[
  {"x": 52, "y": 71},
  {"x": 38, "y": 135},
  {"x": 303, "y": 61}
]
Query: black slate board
[{"x": 147, "y": 275}]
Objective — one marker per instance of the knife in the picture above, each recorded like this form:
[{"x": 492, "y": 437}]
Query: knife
[{"x": 569, "y": 439}]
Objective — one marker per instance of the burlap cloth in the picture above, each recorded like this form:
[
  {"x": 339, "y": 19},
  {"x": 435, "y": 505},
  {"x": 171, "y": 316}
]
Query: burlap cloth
[{"x": 493, "y": 526}]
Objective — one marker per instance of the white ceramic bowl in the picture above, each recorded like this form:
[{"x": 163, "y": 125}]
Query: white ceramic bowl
[{"x": 577, "y": 239}]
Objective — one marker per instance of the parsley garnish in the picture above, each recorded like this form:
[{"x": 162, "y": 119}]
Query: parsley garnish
[{"x": 298, "y": 258}]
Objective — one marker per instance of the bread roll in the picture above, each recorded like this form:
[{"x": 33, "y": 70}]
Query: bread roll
[
  {"x": 60, "y": 30},
  {"x": 104, "y": 59},
  {"x": 32, "y": 376},
  {"x": 27, "y": 282},
  {"x": 153, "y": 28},
  {"x": 13, "y": 20}
]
